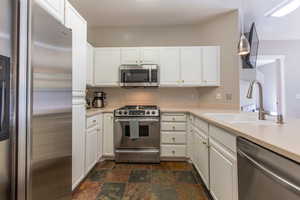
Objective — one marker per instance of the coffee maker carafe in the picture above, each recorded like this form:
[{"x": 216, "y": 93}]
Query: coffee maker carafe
[{"x": 99, "y": 100}]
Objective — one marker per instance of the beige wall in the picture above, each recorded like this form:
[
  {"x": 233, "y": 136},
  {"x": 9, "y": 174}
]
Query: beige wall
[{"x": 222, "y": 30}]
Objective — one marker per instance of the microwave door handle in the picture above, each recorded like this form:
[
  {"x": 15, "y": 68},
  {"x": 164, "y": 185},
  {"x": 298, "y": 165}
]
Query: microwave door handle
[{"x": 150, "y": 75}]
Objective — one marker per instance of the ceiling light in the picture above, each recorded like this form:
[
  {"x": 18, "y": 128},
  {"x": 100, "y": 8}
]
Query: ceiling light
[
  {"x": 244, "y": 45},
  {"x": 284, "y": 8}
]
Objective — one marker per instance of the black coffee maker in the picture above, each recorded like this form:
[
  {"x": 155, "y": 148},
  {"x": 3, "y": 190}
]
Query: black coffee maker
[{"x": 99, "y": 100}]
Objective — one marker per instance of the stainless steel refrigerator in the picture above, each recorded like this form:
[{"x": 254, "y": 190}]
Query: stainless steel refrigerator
[{"x": 36, "y": 103}]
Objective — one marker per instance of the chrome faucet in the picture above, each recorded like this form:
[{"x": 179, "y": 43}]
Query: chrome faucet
[{"x": 261, "y": 111}]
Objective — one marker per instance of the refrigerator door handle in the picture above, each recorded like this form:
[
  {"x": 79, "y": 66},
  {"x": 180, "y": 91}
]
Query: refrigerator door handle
[
  {"x": 271, "y": 174},
  {"x": 2, "y": 103}
]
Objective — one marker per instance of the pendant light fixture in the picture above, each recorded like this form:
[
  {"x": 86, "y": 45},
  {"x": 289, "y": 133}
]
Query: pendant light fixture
[{"x": 244, "y": 45}]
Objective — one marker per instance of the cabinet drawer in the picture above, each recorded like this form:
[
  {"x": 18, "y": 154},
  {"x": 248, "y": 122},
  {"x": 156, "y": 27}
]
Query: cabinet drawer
[
  {"x": 203, "y": 125},
  {"x": 91, "y": 121},
  {"x": 173, "y": 117},
  {"x": 173, "y": 137},
  {"x": 173, "y": 150},
  {"x": 223, "y": 137},
  {"x": 173, "y": 126}
]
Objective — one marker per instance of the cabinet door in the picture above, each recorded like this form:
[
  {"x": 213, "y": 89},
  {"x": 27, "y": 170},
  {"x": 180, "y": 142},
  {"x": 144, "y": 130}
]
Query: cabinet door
[
  {"x": 191, "y": 66},
  {"x": 90, "y": 65},
  {"x": 106, "y": 66},
  {"x": 78, "y": 144},
  {"x": 223, "y": 173},
  {"x": 169, "y": 66},
  {"x": 100, "y": 136},
  {"x": 55, "y": 7},
  {"x": 91, "y": 144},
  {"x": 108, "y": 134},
  {"x": 79, "y": 38},
  {"x": 130, "y": 56},
  {"x": 201, "y": 156},
  {"x": 149, "y": 55},
  {"x": 211, "y": 65}
]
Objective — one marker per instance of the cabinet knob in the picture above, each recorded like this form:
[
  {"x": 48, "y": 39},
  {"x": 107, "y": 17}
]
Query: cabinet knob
[
  {"x": 173, "y": 139},
  {"x": 204, "y": 143},
  {"x": 173, "y": 127},
  {"x": 173, "y": 118},
  {"x": 173, "y": 152},
  {"x": 94, "y": 121}
]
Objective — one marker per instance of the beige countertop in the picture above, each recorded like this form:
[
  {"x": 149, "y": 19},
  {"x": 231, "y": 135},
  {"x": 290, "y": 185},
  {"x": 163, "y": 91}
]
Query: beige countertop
[{"x": 283, "y": 139}]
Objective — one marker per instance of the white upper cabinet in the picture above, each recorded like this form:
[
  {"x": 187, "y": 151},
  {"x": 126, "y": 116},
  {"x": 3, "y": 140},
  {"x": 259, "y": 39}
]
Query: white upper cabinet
[
  {"x": 149, "y": 55},
  {"x": 90, "y": 65},
  {"x": 211, "y": 65},
  {"x": 191, "y": 66},
  {"x": 55, "y": 7},
  {"x": 130, "y": 56},
  {"x": 79, "y": 38},
  {"x": 106, "y": 66},
  {"x": 169, "y": 66},
  {"x": 139, "y": 56}
]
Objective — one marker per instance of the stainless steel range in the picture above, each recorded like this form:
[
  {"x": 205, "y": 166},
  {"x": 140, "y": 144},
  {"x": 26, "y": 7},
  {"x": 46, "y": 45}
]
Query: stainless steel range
[{"x": 137, "y": 134}]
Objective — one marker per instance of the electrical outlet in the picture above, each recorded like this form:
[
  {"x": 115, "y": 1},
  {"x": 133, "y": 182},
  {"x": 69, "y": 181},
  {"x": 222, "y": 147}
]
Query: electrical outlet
[
  {"x": 218, "y": 96},
  {"x": 228, "y": 96}
]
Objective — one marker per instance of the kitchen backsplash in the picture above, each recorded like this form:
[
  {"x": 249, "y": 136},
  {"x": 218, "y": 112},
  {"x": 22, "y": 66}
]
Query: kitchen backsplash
[{"x": 165, "y": 97}]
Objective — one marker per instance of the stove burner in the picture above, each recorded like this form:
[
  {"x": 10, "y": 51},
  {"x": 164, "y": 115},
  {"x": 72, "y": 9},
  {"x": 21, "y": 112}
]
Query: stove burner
[{"x": 138, "y": 111}]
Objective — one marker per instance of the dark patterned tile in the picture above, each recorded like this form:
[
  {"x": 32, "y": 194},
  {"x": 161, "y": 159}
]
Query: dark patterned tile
[
  {"x": 185, "y": 177},
  {"x": 190, "y": 192},
  {"x": 87, "y": 190},
  {"x": 117, "y": 175},
  {"x": 123, "y": 166},
  {"x": 161, "y": 166},
  {"x": 141, "y": 166},
  {"x": 137, "y": 191},
  {"x": 108, "y": 164},
  {"x": 179, "y": 166},
  {"x": 161, "y": 192},
  {"x": 97, "y": 175},
  {"x": 111, "y": 191},
  {"x": 163, "y": 177},
  {"x": 140, "y": 176}
]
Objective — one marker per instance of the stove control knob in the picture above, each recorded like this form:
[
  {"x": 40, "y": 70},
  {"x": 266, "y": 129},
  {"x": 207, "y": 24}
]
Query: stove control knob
[
  {"x": 120, "y": 112},
  {"x": 148, "y": 113},
  {"x": 153, "y": 113},
  {"x": 125, "y": 112}
]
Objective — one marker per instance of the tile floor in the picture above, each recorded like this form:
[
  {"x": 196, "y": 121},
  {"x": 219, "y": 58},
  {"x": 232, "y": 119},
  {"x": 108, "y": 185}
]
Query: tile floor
[{"x": 164, "y": 181}]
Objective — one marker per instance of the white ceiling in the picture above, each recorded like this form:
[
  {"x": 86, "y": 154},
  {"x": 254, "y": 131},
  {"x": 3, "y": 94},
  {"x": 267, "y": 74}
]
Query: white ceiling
[
  {"x": 150, "y": 12},
  {"x": 272, "y": 28}
]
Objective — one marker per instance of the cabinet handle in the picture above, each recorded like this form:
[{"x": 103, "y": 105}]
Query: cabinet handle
[
  {"x": 173, "y": 127},
  {"x": 182, "y": 81},
  {"x": 204, "y": 143},
  {"x": 173, "y": 139},
  {"x": 94, "y": 121},
  {"x": 173, "y": 152}
]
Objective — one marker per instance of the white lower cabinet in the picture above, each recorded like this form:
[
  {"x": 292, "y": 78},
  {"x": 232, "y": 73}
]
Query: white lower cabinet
[
  {"x": 223, "y": 173},
  {"x": 91, "y": 150},
  {"x": 201, "y": 155},
  {"x": 173, "y": 151},
  {"x": 100, "y": 136},
  {"x": 78, "y": 144},
  {"x": 108, "y": 134}
]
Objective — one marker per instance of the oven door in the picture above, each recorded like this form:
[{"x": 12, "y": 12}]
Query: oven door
[
  {"x": 145, "y": 134},
  {"x": 135, "y": 76}
]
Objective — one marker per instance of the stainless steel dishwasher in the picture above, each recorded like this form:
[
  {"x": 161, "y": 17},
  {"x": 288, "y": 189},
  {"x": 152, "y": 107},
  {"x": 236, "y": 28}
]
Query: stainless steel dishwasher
[{"x": 265, "y": 175}]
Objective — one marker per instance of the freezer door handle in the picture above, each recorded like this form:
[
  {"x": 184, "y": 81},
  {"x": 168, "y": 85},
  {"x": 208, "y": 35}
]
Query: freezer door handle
[
  {"x": 271, "y": 174},
  {"x": 2, "y": 104}
]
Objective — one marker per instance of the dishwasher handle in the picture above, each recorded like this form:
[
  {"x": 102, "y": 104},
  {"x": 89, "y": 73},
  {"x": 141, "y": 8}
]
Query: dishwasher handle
[{"x": 269, "y": 172}]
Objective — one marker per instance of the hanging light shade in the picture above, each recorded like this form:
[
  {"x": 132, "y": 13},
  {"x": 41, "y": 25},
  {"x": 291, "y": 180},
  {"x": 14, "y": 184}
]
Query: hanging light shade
[{"x": 244, "y": 46}]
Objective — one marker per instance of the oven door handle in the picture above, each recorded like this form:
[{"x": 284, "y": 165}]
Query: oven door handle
[
  {"x": 140, "y": 120},
  {"x": 271, "y": 174},
  {"x": 2, "y": 104}
]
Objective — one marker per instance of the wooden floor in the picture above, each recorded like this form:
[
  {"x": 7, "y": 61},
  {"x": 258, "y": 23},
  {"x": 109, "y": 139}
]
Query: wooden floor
[{"x": 165, "y": 181}]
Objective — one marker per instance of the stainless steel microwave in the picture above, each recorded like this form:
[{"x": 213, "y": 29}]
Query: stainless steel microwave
[{"x": 139, "y": 76}]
